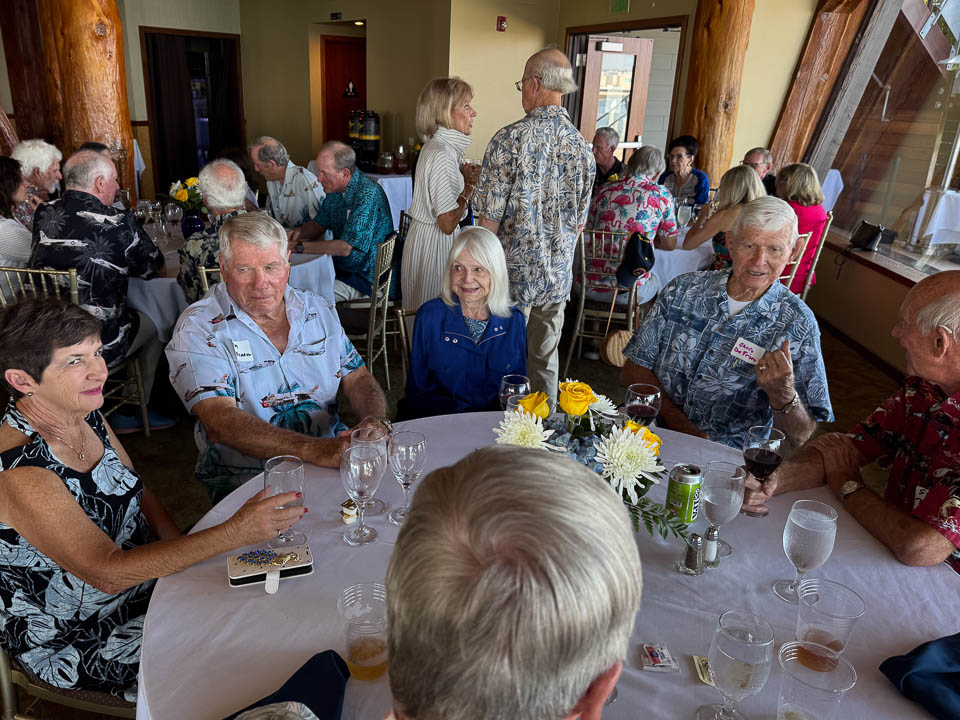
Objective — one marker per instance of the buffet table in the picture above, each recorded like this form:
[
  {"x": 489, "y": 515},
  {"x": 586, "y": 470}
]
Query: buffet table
[{"x": 209, "y": 650}]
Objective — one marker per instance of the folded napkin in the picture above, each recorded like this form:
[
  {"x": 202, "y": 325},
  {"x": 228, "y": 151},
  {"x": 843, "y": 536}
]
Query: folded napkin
[
  {"x": 929, "y": 675},
  {"x": 319, "y": 684}
]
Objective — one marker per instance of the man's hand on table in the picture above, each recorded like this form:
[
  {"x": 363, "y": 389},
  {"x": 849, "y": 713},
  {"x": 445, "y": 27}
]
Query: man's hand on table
[
  {"x": 756, "y": 492},
  {"x": 327, "y": 452}
]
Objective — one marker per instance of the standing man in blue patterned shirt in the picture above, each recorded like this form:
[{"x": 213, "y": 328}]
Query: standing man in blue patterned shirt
[
  {"x": 357, "y": 211},
  {"x": 534, "y": 193},
  {"x": 733, "y": 349}
]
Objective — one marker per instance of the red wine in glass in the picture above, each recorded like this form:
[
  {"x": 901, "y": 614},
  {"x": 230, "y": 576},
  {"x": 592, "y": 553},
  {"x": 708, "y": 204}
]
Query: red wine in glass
[
  {"x": 642, "y": 403},
  {"x": 761, "y": 462},
  {"x": 762, "y": 454},
  {"x": 641, "y": 414}
]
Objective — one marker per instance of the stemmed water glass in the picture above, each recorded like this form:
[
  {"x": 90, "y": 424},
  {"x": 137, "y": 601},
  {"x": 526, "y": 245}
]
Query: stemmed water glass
[
  {"x": 513, "y": 385},
  {"x": 142, "y": 210},
  {"x": 808, "y": 539},
  {"x": 722, "y": 490},
  {"x": 641, "y": 402},
  {"x": 173, "y": 214},
  {"x": 360, "y": 471},
  {"x": 283, "y": 474},
  {"x": 739, "y": 659},
  {"x": 377, "y": 437},
  {"x": 408, "y": 453},
  {"x": 762, "y": 454}
]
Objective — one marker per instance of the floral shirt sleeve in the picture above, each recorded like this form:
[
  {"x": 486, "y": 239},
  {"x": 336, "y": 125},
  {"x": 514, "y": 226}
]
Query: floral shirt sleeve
[{"x": 298, "y": 199}]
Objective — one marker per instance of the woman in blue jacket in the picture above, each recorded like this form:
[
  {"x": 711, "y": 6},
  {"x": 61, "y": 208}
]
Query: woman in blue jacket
[
  {"x": 467, "y": 339},
  {"x": 683, "y": 180}
]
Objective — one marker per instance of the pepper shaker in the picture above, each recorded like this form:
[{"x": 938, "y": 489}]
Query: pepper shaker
[{"x": 692, "y": 563}]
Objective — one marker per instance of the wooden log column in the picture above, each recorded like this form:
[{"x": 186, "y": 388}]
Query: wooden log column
[{"x": 720, "y": 34}]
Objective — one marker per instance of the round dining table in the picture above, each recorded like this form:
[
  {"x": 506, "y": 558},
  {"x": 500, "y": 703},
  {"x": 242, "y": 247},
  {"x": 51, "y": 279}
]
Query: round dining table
[{"x": 210, "y": 650}]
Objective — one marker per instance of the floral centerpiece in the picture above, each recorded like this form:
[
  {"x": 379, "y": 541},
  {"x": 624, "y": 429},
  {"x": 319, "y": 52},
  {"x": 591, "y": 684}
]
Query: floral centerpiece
[
  {"x": 591, "y": 431},
  {"x": 186, "y": 194}
]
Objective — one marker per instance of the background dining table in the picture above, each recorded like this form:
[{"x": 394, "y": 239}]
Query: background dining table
[{"x": 209, "y": 649}]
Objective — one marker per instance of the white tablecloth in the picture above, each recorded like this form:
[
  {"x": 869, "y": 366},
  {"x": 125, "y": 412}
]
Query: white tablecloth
[
  {"x": 399, "y": 190},
  {"x": 671, "y": 263},
  {"x": 939, "y": 217},
  {"x": 162, "y": 299},
  {"x": 832, "y": 187},
  {"x": 209, "y": 650}
]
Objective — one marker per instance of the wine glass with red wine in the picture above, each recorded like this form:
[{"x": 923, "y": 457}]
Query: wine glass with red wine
[
  {"x": 642, "y": 403},
  {"x": 762, "y": 453}
]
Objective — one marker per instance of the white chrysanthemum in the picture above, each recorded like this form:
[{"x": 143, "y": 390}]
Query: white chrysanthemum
[
  {"x": 625, "y": 457},
  {"x": 523, "y": 430},
  {"x": 603, "y": 405}
]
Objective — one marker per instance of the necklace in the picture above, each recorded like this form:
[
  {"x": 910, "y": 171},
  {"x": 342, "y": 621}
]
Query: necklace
[{"x": 79, "y": 453}]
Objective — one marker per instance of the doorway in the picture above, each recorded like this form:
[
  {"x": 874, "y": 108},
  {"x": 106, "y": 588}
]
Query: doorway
[
  {"x": 194, "y": 99},
  {"x": 344, "y": 63}
]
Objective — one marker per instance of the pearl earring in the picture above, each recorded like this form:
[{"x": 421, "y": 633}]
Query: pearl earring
[{"x": 29, "y": 394}]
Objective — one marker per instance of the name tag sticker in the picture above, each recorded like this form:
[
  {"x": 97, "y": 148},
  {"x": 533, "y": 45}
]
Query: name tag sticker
[
  {"x": 241, "y": 348},
  {"x": 747, "y": 351}
]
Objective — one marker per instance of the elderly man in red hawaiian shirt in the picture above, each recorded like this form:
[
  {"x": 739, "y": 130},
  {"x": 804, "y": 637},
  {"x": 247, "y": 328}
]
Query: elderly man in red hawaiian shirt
[{"x": 915, "y": 433}]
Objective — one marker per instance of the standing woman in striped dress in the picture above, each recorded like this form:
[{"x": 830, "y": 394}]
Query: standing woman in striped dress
[{"x": 442, "y": 190}]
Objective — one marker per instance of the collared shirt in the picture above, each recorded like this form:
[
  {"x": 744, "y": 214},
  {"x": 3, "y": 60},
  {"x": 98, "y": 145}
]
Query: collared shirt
[
  {"x": 360, "y": 216},
  {"x": 612, "y": 175},
  {"x": 105, "y": 246},
  {"x": 297, "y": 199},
  {"x": 217, "y": 350},
  {"x": 536, "y": 182},
  {"x": 687, "y": 338},
  {"x": 202, "y": 249},
  {"x": 916, "y": 434}
]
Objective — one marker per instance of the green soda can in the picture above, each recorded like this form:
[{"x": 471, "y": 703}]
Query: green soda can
[{"x": 683, "y": 492}]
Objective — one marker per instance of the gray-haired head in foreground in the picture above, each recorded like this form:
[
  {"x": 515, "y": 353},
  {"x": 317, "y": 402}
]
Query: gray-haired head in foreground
[
  {"x": 512, "y": 586},
  {"x": 344, "y": 157},
  {"x": 944, "y": 310},
  {"x": 647, "y": 161},
  {"x": 553, "y": 69},
  {"x": 488, "y": 252},
  {"x": 35, "y": 154},
  {"x": 82, "y": 169},
  {"x": 609, "y": 137},
  {"x": 255, "y": 228},
  {"x": 222, "y": 185},
  {"x": 768, "y": 214},
  {"x": 269, "y": 150}
]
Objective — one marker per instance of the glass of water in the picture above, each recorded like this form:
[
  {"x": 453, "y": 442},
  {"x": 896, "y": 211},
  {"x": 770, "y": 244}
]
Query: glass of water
[
  {"x": 722, "y": 497},
  {"x": 808, "y": 539},
  {"x": 511, "y": 385},
  {"x": 360, "y": 471},
  {"x": 408, "y": 453},
  {"x": 282, "y": 474},
  {"x": 377, "y": 436},
  {"x": 740, "y": 656}
]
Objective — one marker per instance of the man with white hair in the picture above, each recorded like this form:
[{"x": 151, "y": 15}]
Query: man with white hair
[
  {"x": 524, "y": 614},
  {"x": 224, "y": 190},
  {"x": 40, "y": 167},
  {"x": 609, "y": 167},
  {"x": 259, "y": 363},
  {"x": 534, "y": 194},
  {"x": 295, "y": 193},
  {"x": 733, "y": 349},
  {"x": 761, "y": 160},
  {"x": 915, "y": 433}
]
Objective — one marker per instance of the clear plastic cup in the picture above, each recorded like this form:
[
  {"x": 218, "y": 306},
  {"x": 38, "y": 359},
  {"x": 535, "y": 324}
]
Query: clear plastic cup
[
  {"x": 363, "y": 609},
  {"x": 827, "y": 612},
  {"x": 815, "y": 679}
]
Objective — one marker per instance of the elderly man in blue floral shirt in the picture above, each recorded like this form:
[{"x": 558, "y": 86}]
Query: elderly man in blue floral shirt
[
  {"x": 534, "y": 193},
  {"x": 734, "y": 349}
]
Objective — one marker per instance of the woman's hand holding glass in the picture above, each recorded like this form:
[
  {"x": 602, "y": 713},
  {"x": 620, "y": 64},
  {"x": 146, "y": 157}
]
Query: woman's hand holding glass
[
  {"x": 282, "y": 474},
  {"x": 260, "y": 518}
]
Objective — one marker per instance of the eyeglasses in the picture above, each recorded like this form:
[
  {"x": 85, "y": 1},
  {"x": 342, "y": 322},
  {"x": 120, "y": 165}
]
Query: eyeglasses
[
  {"x": 678, "y": 156},
  {"x": 755, "y": 166},
  {"x": 519, "y": 83}
]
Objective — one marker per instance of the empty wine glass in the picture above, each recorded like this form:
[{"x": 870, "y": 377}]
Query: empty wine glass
[
  {"x": 808, "y": 539},
  {"x": 173, "y": 213},
  {"x": 739, "y": 659},
  {"x": 378, "y": 437},
  {"x": 282, "y": 474},
  {"x": 408, "y": 453},
  {"x": 360, "y": 471},
  {"x": 513, "y": 385},
  {"x": 642, "y": 403},
  {"x": 762, "y": 454},
  {"x": 722, "y": 489}
]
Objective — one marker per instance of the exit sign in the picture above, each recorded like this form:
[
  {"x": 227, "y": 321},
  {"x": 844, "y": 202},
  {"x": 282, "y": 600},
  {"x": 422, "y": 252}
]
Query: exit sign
[{"x": 619, "y": 7}]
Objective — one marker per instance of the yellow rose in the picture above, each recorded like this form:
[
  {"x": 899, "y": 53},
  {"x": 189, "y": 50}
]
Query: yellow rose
[
  {"x": 536, "y": 404},
  {"x": 652, "y": 439},
  {"x": 181, "y": 195},
  {"x": 633, "y": 427},
  {"x": 576, "y": 397},
  {"x": 190, "y": 182}
]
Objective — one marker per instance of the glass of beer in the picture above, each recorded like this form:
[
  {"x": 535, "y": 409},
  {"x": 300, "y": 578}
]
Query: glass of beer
[
  {"x": 828, "y": 611},
  {"x": 363, "y": 609}
]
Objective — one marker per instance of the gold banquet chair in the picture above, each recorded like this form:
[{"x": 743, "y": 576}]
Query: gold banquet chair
[
  {"x": 125, "y": 380},
  {"x": 795, "y": 260},
  {"x": 209, "y": 276},
  {"x": 816, "y": 257},
  {"x": 12, "y": 676}
]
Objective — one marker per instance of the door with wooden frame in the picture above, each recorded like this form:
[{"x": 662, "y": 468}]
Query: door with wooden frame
[
  {"x": 615, "y": 85},
  {"x": 344, "y": 83}
]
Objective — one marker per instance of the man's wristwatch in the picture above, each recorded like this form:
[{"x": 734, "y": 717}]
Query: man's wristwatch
[
  {"x": 298, "y": 248},
  {"x": 788, "y": 408},
  {"x": 849, "y": 488}
]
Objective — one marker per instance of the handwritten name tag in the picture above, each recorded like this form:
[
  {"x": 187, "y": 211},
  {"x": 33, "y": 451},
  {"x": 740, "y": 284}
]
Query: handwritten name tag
[
  {"x": 241, "y": 348},
  {"x": 747, "y": 351}
]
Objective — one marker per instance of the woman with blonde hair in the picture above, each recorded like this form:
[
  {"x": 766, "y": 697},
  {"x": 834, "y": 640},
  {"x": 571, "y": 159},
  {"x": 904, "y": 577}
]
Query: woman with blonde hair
[
  {"x": 442, "y": 190},
  {"x": 799, "y": 185},
  {"x": 738, "y": 186}
]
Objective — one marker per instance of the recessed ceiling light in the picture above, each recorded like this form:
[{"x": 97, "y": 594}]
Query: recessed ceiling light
[{"x": 358, "y": 22}]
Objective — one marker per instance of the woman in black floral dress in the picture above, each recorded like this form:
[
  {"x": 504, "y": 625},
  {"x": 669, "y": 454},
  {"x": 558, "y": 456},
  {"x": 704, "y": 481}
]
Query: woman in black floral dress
[{"x": 81, "y": 538}]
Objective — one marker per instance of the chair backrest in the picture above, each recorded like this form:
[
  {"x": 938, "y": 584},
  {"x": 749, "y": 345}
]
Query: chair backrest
[
  {"x": 37, "y": 282},
  {"x": 816, "y": 257},
  {"x": 209, "y": 276},
  {"x": 794, "y": 263},
  {"x": 405, "y": 220},
  {"x": 600, "y": 253},
  {"x": 380, "y": 290}
]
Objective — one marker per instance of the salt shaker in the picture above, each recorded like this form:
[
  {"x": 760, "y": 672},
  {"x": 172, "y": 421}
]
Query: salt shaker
[
  {"x": 711, "y": 555},
  {"x": 692, "y": 563}
]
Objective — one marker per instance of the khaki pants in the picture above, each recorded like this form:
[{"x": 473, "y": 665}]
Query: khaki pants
[{"x": 544, "y": 323}]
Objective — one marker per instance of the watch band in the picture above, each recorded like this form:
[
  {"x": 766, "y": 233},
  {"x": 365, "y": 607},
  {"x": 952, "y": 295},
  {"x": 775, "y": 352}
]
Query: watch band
[
  {"x": 788, "y": 408},
  {"x": 299, "y": 247}
]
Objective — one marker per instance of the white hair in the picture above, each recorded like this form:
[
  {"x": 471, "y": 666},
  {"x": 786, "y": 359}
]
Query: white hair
[
  {"x": 554, "y": 71},
  {"x": 767, "y": 214},
  {"x": 488, "y": 252},
  {"x": 647, "y": 162},
  {"x": 943, "y": 312},
  {"x": 35, "y": 155},
  {"x": 609, "y": 136},
  {"x": 82, "y": 169},
  {"x": 222, "y": 185},
  {"x": 255, "y": 228},
  {"x": 767, "y": 155},
  {"x": 513, "y": 584},
  {"x": 269, "y": 149}
]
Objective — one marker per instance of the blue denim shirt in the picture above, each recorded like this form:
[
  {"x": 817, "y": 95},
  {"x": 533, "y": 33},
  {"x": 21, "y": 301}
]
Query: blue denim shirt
[
  {"x": 451, "y": 373},
  {"x": 686, "y": 340}
]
